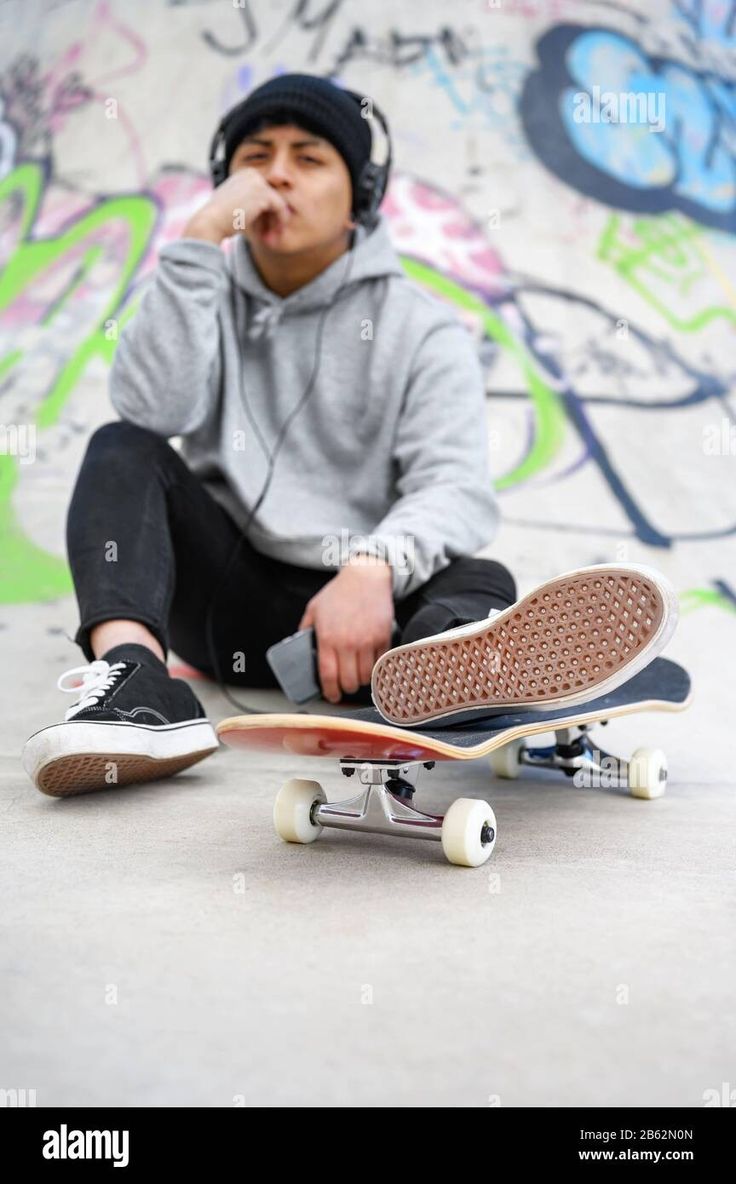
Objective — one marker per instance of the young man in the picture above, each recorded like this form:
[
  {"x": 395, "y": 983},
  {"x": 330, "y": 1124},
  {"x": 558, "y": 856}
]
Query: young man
[{"x": 333, "y": 469}]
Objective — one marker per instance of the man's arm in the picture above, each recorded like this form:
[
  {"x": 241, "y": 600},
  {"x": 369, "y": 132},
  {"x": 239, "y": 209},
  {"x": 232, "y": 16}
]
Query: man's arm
[
  {"x": 447, "y": 506},
  {"x": 165, "y": 372}
]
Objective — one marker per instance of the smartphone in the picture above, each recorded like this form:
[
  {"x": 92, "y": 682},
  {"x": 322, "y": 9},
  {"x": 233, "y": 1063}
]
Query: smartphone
[{"x": 294, "y": 662}]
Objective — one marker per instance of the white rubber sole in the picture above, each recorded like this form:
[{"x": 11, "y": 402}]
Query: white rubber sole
[
  {"x": 79, "y": 757},
  {"x": 572, "y": 639}
]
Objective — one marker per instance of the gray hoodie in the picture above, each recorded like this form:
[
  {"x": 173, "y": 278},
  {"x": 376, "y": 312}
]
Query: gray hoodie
[{"x": 389, "y": 450}]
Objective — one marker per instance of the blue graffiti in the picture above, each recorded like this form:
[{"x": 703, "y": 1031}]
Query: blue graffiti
[
  {"x": 483, "y": 85},
  {"x": 633, "y": 131},
  {"x": 710, "y": 20}
]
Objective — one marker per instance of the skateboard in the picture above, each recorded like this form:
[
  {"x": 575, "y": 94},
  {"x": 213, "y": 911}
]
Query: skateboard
[{"x": 387, "y": 760}]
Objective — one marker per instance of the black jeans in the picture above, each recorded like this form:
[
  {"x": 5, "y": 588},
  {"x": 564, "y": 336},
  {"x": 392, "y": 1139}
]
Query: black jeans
[{"x": 147, "y": 542}]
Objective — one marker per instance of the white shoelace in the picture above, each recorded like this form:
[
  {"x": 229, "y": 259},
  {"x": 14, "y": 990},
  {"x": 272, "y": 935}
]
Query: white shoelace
[{"x": 97, "y": 679}]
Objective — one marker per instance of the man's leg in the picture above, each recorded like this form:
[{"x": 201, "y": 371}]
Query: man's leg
[
  {"x": 132, "y": 721},
  {"x": 466, "y": 590},
  {"x": 225, "y": 630},
  {"x": 152, "y": 551},
  {"x": 135, "y": 507}
]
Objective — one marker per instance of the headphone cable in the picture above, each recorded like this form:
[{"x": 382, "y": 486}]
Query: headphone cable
[{"x": 212, "y": 650}]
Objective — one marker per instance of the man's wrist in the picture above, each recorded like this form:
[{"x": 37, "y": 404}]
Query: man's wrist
[
  {"x": 201, "y": 228},
  {"x": 368, "y": 559}
]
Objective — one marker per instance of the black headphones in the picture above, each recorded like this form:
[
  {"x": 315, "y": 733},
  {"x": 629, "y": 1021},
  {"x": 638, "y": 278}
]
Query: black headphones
[{"x": 373, "y": 179}]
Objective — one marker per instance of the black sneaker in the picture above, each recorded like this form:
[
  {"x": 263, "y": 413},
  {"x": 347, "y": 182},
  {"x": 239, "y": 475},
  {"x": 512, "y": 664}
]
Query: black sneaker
[{"x": 132, "y": 723}]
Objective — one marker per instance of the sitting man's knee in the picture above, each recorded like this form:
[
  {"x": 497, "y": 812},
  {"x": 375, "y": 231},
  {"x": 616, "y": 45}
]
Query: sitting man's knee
[
  {"x": 120, "y": 434},
  {"x": 490, "y": 573},
  {"x": 481, "y": 563},
  {"x": 505, "y": 579}
]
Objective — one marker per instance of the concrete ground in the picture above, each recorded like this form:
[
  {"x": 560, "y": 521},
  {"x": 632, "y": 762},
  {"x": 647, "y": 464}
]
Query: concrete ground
[{"x": 161, "y": 946}]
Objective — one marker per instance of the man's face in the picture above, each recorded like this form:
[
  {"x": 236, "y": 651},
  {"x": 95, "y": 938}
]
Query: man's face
[{"x": 311, "y": 175}]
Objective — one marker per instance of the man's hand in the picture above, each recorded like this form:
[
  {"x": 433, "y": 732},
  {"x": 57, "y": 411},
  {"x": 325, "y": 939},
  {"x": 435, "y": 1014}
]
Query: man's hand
[
  {"x": 235, "y": 206},
  {"x": 352, "y": 618}
]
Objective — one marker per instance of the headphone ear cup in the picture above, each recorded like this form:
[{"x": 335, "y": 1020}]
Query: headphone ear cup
[
  {"x": 361, "y": 197},
  {"x": 217, "y": 167},
  {"x": 371, "y": 187}
]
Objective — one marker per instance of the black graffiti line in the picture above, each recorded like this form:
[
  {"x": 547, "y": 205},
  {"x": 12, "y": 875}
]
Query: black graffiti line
[
  {"x": 398, "y": 49},
  {"x": 522, "y": 396},
  {"x": 726, "y": 590},
  {"x": 389, "y": 55},
  {"x": 563, "y": 527},
  {"x": 694, "y": 16},
  {"x": 622, "y": 8},
  {"x": 707, "y": 386},
  {"x": 251, "y": 32},
  {"x": 643, "y": 527},
  {"x": 297, "y": 16},
  {"x": 652, "y": 405},
  {"x": 578, "y": 528}
]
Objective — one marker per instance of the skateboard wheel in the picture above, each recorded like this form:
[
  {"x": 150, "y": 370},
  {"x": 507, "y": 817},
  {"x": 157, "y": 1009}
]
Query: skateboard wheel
[
  {"x": 648, "y": 773},
  {"x": 505, "y": 762},
  {"x": 469, "y": 832},
  {"x": 292, "y": 810}
]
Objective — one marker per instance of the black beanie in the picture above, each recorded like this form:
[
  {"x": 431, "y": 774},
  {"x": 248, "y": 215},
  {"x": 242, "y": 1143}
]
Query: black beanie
[{"x": 317, "y": 105}]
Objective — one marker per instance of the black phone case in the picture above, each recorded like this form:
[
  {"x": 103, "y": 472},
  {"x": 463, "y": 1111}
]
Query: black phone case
[{"x": 294, "y": 662}]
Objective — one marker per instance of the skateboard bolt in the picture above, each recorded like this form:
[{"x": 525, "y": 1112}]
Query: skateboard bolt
[{"x": 487, "y": 834}]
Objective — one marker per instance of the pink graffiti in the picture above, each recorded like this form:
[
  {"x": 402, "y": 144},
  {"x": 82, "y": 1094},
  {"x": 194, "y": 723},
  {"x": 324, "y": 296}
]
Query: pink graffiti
[{"x": 431, "y": 226}]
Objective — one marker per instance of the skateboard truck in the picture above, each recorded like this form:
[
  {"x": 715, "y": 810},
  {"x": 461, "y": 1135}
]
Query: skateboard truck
[
  {"x": 467, "y": 831},
  {"x": 400, "y": 779},
  {"x": 384, "y": 805},
  {"x": 574, "y": 752},
  {"x": 645, "y": 775}
]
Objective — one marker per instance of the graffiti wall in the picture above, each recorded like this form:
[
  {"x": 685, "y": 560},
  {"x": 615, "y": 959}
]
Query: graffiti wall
[{"x": 565, "y": 178}]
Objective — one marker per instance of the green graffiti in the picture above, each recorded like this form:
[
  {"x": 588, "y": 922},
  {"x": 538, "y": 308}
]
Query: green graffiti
[
  {"x": 667, "y": 260},
  {"x": 695, "y": 598},
  {"x": 27, "y": 572},
  {"x": 550, "y": 415}
]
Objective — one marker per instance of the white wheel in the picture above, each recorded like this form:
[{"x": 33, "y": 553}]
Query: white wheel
[
  {"x": 292, "y": 810},
  {"x": 505, "y": 761},
  {"x": 648, "y": 773},
  {"x": 469, "y": 832}
]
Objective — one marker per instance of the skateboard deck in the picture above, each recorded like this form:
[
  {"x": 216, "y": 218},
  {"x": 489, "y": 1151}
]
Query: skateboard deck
[
  {"x": 364, "y": 734},
  {"x": 386, "y": 760}
]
